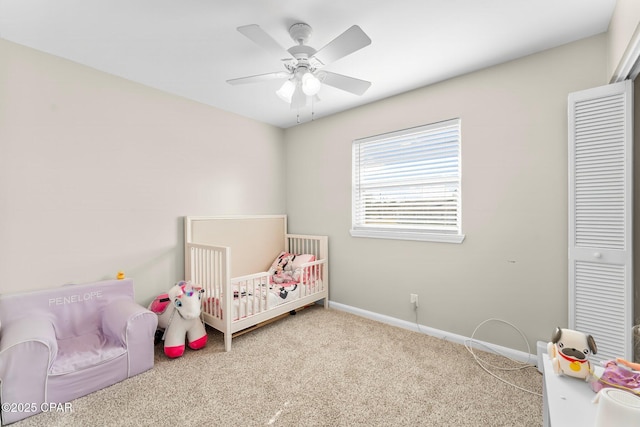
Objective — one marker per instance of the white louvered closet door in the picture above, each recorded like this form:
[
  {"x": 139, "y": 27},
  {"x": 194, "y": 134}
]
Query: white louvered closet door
[{"x": 600, "y": 217}]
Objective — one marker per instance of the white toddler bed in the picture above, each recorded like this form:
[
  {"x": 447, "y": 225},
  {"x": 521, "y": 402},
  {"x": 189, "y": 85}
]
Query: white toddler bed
[{"x": 250, "y": 267}]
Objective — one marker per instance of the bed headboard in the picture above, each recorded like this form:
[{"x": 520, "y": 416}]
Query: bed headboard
[{"x": 255, "y": 240}]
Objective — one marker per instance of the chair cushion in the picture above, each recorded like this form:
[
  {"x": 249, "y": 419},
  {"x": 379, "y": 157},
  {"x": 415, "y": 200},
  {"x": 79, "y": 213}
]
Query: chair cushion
[{"x": 84, "y": 351}]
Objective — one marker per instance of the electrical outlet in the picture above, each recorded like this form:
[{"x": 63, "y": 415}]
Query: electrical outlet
[{"x": 414, "y": 299}]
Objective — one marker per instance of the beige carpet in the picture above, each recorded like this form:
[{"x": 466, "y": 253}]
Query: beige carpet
[{"x": 317, "y": 368}]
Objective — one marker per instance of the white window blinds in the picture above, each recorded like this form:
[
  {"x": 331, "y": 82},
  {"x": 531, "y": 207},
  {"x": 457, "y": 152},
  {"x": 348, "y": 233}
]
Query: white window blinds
[{"x": 406, "y": 184}]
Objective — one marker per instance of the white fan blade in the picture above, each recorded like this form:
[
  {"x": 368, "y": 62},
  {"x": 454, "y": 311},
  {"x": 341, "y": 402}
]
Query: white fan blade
[
  {"x": 261, "y": 38},
  {"x": 260, "y": 78},
  {"x": 346, "y": 83},
  {"x": 348, "y": 42}
]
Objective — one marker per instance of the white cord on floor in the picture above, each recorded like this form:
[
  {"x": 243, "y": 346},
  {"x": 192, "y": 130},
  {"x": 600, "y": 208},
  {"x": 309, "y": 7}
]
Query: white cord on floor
[{"x": 481, "y": 362}]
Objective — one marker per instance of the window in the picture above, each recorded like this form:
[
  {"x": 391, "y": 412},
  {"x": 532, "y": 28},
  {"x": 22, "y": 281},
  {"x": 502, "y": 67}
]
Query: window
[{"x": 406, "y": 184}]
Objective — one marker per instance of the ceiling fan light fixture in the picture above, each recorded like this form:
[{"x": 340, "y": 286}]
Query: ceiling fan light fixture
[
  {"x": 286, "y": 91},
  {"x": 310, "y": 84},
  {"x": 299, "y": 99},
  {"x": 303, "y": 64}
]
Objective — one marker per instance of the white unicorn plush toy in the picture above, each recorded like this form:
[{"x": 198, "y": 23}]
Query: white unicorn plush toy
[{"x": 178, "y": 315}]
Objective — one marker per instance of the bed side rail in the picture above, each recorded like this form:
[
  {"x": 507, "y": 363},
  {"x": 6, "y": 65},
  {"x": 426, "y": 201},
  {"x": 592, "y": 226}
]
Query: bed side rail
[
  {"x": 253, "y": 293},
  {"x": 249, "y": 295},
  {"x": 312, "y": 277},
  {"x": 318, "y": 270}
]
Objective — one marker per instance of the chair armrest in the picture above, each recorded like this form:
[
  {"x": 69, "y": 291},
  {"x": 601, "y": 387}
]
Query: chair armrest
[
  {"x": 36, "y": 329},
  {"x": 28, "y": 348},
  {"x": 118, "y": 316},
  {"x": 134, "y": 327}
]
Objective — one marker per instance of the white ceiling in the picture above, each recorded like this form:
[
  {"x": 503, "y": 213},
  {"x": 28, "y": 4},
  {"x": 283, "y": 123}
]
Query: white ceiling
[{"x": 191, "y": 47}]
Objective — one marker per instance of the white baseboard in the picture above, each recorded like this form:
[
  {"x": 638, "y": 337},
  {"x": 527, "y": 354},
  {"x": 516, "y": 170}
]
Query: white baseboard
[{"x": 518, "y": 355}]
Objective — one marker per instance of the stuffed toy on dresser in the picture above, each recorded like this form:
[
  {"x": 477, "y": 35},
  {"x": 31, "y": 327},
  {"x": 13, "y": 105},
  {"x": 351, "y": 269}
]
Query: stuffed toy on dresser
[{"x": 569, "y": 352}]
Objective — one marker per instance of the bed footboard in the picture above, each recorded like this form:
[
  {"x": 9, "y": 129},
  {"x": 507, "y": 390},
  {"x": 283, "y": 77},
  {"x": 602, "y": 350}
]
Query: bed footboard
[{"x": 208, "y": 266}]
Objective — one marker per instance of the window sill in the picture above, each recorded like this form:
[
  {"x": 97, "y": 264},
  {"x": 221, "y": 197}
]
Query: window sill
[{"x": 407, "y": 235}]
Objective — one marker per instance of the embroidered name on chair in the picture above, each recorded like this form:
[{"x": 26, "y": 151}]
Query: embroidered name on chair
[{"x": 71, "y": 299}]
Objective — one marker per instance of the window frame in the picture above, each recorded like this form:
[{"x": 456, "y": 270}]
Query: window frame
[{"x": 399, "y": 232}]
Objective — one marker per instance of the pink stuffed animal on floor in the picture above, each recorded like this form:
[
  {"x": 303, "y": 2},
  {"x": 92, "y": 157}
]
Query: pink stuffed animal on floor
[{"x": 178, "y": 315}]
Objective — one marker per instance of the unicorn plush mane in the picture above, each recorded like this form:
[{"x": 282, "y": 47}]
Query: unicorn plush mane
[{"x": 186, "y": 299}]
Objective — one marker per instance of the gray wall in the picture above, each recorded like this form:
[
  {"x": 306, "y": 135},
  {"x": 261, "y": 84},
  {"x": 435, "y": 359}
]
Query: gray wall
[
  {"x": 624, "y": 25},
  {"x": 96, "y": 173},
  {"x": 513, "y": 262}
]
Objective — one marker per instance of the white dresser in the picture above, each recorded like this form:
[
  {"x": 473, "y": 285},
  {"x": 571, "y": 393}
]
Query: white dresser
[{"x": 567, "y": 401}]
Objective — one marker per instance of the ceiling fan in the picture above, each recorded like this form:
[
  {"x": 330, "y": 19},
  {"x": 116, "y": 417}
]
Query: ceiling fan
[{"x": 303, "y": 64}]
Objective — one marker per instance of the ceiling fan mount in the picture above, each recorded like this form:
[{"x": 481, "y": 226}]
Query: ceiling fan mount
[
  {"x": 300, "y": 32},
  {"x": 302, "y": 63}
]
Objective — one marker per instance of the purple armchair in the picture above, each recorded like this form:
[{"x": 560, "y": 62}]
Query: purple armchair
[{"x": 59, "y": 344}]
